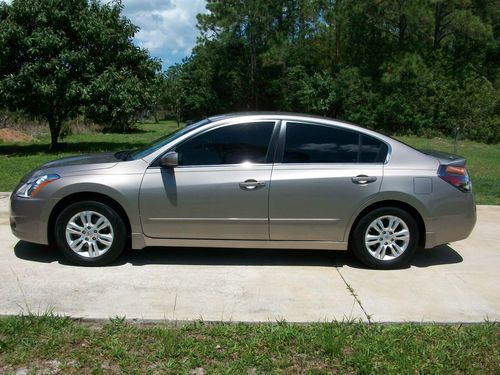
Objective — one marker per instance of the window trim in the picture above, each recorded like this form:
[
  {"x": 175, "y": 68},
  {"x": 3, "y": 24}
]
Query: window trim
[
  {"x": 270, "y": 153},
  {"x": 280, "y": 148}
]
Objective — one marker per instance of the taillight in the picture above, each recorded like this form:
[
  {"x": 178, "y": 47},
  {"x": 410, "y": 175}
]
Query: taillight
[{"x": 456, "y": 176}]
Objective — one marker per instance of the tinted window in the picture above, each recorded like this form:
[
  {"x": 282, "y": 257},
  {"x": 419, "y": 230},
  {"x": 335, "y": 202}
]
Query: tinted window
[
  {"x": 373, "y": 150},
  {"x": 319, "y": 144},
  {"x": 231, "y": 144}
]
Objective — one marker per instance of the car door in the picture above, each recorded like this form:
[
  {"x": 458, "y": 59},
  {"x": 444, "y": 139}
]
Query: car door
[
  {"x": 322, "y": 175},
  {"x": 219, "y": 190}
]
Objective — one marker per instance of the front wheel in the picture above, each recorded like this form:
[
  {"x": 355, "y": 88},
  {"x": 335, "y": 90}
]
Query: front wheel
[
  {"x": 385, "y": 238},
  {"x": 90, "y": 233}
]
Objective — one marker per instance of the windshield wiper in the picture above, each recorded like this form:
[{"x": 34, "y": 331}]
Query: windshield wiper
[{"x": 123, "y": 155}]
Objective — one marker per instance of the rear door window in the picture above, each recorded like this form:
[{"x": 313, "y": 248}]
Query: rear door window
[
  {"x": 310, "y": 143},
  {"x": 306, "y": 143}
]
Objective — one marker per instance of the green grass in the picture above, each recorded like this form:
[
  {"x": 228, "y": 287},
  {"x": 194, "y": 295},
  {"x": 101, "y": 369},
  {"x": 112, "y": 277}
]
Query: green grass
[
  {"x": 483, "y": 160},
  {"x": 37, "y": 343}
]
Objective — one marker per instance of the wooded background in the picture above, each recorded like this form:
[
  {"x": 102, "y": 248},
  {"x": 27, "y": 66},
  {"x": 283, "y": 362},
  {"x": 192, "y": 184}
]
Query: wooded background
[{"x": 423, "y": 67}]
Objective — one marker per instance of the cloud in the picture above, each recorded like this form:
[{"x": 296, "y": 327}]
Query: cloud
[
  {"x": 167, "y": 27},
  {"x": 134, "y": 6}
]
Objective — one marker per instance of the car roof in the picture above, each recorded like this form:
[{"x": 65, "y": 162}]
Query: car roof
[
  {"x": 291, "y": 116},
  {"x": 274, "y": 114}
]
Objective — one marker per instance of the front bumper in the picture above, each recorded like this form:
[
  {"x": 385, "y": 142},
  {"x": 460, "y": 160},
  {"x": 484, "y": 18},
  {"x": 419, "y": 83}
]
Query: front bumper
[{"x": 29, "y": 218}]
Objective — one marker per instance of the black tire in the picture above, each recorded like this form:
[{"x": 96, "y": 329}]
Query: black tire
[
  {"x": 360, "y": 249},
  {"x": 118, "y": 226}
]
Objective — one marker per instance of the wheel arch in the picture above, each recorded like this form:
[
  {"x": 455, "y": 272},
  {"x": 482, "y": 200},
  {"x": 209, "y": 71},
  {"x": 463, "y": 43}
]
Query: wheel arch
[
  {"x": 393, "y": 203},
  {"x": 82, "y": 196}
]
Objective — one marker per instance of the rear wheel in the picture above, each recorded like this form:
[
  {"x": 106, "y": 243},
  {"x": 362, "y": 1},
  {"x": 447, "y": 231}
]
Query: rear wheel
[
  {"x": 385, "y": 238},
  {"x": 90, "y": 233}
]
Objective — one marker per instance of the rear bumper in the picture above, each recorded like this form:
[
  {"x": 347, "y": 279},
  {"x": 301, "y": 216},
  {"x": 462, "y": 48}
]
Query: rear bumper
[
  {"x": 29, "y": 218},
  {"x": 453, "y": 221}
]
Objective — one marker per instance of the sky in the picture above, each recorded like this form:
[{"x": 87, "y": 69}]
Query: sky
[{"x": 167, "y": 27}]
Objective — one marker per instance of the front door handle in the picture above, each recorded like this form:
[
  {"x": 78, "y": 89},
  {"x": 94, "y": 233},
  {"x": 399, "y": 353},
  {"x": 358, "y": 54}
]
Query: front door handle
[
  {"x": 252, "y": 184},
  {"x": 363, "y": 179}
]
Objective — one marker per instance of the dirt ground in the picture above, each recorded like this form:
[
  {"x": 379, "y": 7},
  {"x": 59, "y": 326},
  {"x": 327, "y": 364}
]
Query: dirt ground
[{"x": 13, "y": 135}]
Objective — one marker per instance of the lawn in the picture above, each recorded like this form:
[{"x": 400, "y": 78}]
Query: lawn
[
  {"x": 59, "y": 345},
  {"x": 16, "y": 159}
]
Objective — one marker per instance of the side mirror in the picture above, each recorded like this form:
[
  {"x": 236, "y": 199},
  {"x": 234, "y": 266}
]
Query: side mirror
[{"x": 170, "y": 160}]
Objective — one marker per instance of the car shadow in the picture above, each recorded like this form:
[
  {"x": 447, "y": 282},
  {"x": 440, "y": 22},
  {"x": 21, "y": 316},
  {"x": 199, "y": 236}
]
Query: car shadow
[{"x": 440, "y": 255}]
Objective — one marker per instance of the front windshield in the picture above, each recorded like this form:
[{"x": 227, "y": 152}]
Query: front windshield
[{"x": 160, "y": 142}]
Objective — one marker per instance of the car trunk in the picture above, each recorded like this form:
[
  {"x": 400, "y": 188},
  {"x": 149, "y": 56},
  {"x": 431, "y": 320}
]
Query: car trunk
[{"x": 446, "y": 158}]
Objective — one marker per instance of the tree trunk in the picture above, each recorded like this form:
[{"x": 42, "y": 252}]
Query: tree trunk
[
  {"x": 155, "y": 114},
  {"x": 337, "y": 42},
  {"x": 253, "y": 73},
  {"x": 438, "y": 13},
  {"x": 55, "y": 129},
  {"x": 402, "y": 31}
]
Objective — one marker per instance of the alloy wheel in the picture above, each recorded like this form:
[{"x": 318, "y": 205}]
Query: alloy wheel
[
  {"x": 89, "y": 234},
  {"x": 387, "y": 237}
]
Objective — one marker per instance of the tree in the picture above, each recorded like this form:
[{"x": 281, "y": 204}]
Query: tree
[
  {"x": 62, "y": 58},
  {"x": 247, "y": 24},
  {"x": 174, "y": 95},
  {"x": 311, "y": 93}
]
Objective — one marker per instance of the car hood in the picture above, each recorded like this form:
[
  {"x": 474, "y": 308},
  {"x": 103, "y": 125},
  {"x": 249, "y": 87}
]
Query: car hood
[
  {"x": 101, "y": 160},
  {"x": 74, "y": 164}
]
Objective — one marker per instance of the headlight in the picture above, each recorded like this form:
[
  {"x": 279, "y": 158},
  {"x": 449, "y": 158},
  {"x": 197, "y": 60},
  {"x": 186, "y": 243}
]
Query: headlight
[{"x": 31, "y": 188}]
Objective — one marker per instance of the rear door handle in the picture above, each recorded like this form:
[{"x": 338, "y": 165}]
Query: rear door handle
[
  {"x": 252, "y": 184},
  {"x": 363, "y": 179}
]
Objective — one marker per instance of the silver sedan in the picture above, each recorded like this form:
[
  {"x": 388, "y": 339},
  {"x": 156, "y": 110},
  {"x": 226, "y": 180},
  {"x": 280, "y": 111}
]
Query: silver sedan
[{"x": 255, "y": 180}]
